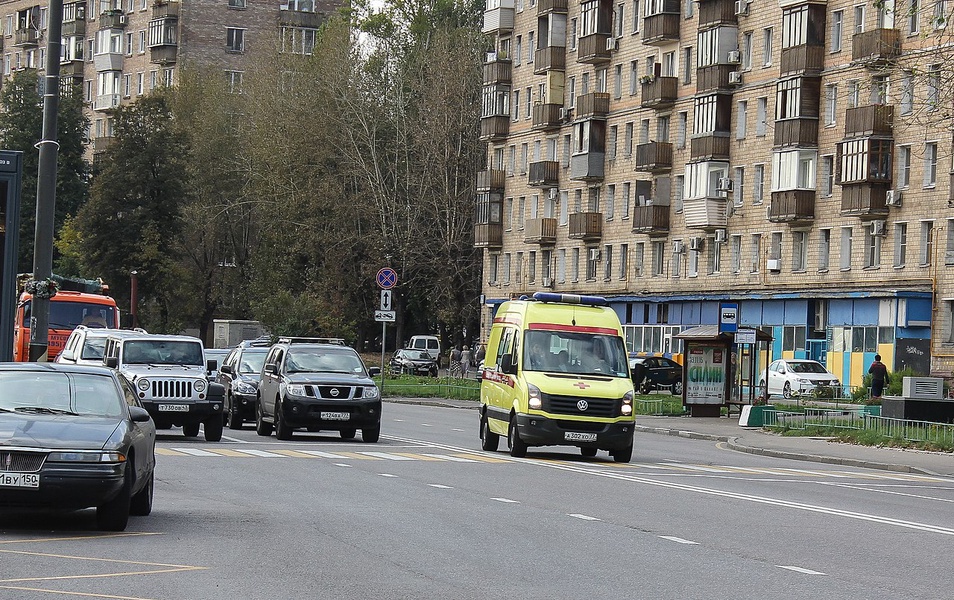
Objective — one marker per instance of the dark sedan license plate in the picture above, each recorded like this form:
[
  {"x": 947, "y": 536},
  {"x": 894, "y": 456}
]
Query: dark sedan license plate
[
  {"x": 335, "y": 416},
  {"x": 576, "y": 436},
  {"x": 20, "y": 480}
]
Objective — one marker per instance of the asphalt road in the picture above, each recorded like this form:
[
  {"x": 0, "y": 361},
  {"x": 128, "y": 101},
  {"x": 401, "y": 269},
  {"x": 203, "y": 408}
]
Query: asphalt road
[{"x": 424, "y": 514}]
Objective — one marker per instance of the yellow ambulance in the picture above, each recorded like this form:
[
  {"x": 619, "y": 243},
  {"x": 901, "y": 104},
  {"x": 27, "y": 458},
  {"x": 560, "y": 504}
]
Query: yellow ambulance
[{"x": 556, "y": 373}]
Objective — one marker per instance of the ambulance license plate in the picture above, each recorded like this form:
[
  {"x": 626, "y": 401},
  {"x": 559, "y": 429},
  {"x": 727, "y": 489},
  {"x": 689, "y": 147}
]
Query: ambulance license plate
[{"x": 575, "y": 436}]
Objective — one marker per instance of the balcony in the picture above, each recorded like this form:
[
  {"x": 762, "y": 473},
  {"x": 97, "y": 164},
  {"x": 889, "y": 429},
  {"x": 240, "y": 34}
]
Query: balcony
[
  {"x": 796, "y": 132},
  {"x": 170, "y": 10},
  {"x": 106, "y": 101},
  {"x": 661, "y": 92},
  {"x": 26, "y": 37},
  {"x": 709, "y": 147},
  {"x": 102, "y": 144},
  {"x": 112, "y": 19},
  {"x": 866, "y": 200},
  {"x": 717, "y": 12},
  {"x": 714, "y": 77},
  {"x": 491, "y": 180},
  {"x": 591, "y": 49},
  {"x": 498, "y": 70},
  {"x": 587, "y": 166},
  {"x": 662, "y": 28},
  {"x": 540, "y": 231},
  {"x": 792, "y": 206},
  {"x": 875, "y": 119},
  {"x": 586, "y": 226},
  {"x": 548, "y": 6},
  {"x": 705, "y": 213},
  {"x": 71, "y": 28},
  {"x": 73, "y": 68},
  {"x": 163, "y": 55},
  {"x": 547, "y": 117},
  {"x": 594, "y": 105},
  {"x": 545, "y": 173},
  {"x": 494, "y": 128},
  {"x": 499, "y": 20},
  {"x": 488, "y": 235},
  {"x": 809, "y": 60},
  {"x": 877, "y": 47},
  {"x": 654, "y": 157},
  {"x": 652, "y": 219},
  {"x": 111, "y": 61},
  {"x": 551, "y": 58}
]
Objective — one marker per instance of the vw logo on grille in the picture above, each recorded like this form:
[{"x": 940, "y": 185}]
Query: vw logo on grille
[
  {"x": 334, "y": 392},
  {"x": 582, "y": 405}
]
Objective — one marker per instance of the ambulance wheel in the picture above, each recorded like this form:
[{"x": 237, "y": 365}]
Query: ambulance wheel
[
  {"x": 623, "y": 455},
  {"x": 488, "y": 439},
  {"x": 588, "y": 452},
  {"x": 518, "y": 449}
]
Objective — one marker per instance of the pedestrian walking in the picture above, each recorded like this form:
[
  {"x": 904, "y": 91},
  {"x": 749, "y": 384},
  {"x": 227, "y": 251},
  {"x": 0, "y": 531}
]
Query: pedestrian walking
[
  {"x": 479, "y": 355},
  {"x": 879, "y": 377},
  {"x": 466, "y": 358},
  {"x": 455, "y": 365}
]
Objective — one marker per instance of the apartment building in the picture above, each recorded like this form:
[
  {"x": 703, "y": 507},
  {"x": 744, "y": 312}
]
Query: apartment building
[
  {"x": 115, "y": 51},
  {"x": 670, "y": 155}
]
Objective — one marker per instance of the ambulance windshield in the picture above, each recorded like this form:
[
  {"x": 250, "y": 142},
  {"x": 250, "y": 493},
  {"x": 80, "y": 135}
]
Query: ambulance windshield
[{"x": 574, "y": 352}]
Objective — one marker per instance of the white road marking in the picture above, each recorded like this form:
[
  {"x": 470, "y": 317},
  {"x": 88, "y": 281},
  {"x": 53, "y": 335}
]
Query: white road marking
[
  {"x": 678, "y": 540},
  {"x": 440, "y": 487},
  {"x": 461, "y": 430},
  {"x": 195, "y": 452},
  {"x": 450, "y": 458},
  {"x": 583, "y": 517},
  {"x": 260, "y": 453},
  {"x": 800, "y": 570},
  {"x": 342, "y": 465},
  {"x": 386, "y": 475},
  {"x": 398, "y": 420},
  {"x": 386, "y": 456},
  {"x": 321, "y": 454},
  {"x": 426, "y": 425},
  {"x": 236, "y": 440},
  {"x": 506, "y": 500},
  {"x": 879, "y": 490}
]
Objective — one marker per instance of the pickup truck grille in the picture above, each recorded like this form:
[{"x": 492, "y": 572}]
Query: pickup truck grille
[
  {"x": 171, "y": 388},
  {"x": 21, "y": 462}
]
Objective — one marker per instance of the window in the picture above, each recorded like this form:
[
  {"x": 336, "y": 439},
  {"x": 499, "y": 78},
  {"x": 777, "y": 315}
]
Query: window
[
  {"x": 930, "y": 164},
  {"x": 824, "y": 249},
  {"x": 865, "y": 160},
  {"x": 681, "y": 127},
  {"x": 831, "y": 104},
  {"x": 872, "y": 256},
  {"x": 756, "y": 252},
  {"x": 859, "y": 18},
  {"x": 241, "y": 4},
  {"x": 140, "y": 83},
  {"x": 933, "y": 87},
  {"x": 854, "y": 94},
  {"x": 618, "y": 18},
  {"x": 529, "y": 112},
  {"x": 575, "y": 266},
  {"x": 235, "y": 39},
  {"x": 561, "y": 265},
  {"x": 506, "y": 269},
  {"x": 739, "y": 192},
  {"x": 518, "y": 51},
  {"x": 590, "y": 15},
  {"x": 927, "y": 243},
  {"x": 571, "y": 92},
  {"x": 687, "y": 65},
  {"x": 767, "y": 47},
  {"x": 492, "y": 271},
  {"x": 564, "y": 208},
  {"x": 747, "y": 50},
  {"x": 715, "y": 257},
  {"x": 592, "y": 258},
  {"x": 298, "y": 40},
  {"x": 638, "y": 258},
  {"x": 662, "y": 129},
  {"x": 837, "y": 30},
  {"x": 532, "y": 266},
  {"x": 573, "y": 31},
  {"x": 797, "y": 27},
  {"x": 775, "y": 247},
  {"x": 794, "y": 170},
  {"x": 142, "y": 42},
  {"x": 913, "y": 13},
  {"x": 675, "y": 269},
  {"x": 127, "y": 85},
  {"x": 799, "y": 250},
  {"x": 530, "y": 48},
  {"x": 735, "y": 246},
  {"x": 636, "y": 16},
  {"x": 618, "y": 82},
  {"x": 628, "y": 140},
  {"x": 692, "y": 269},
  {"x": 740, "y": 120},
  {"x": 624, "y": 201},
  {"x": 900, "y": 244},
  {"x": 658, "y": 259},
  {"x": 879, "y": 89},
  {"x": 633, "y": 77},
  {"x": 904, "y": 166},
  {"x": 845, "y": 255},
  {"x": 758, "y": 185},
  {"x": 515, "y": 104},
  {"x": 761, "y": 116},
  {"x": 828, "y": 175},
  {"x": 607, "y": 262},
  {"x": 907, "y": 93},
  {"x": 610, "y": 207}
]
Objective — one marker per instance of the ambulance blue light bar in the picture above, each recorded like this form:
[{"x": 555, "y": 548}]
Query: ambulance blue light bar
[{"x": 570, "y": 299}]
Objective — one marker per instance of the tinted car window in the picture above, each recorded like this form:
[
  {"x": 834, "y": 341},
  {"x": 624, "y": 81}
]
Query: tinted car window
[
  {"x": 76, "y": 393},
  {"x": 163, "y": 352},
  {"x": 252, "y": 362},
  {"x": 314, "y": 360},
  {"x": 93, "y": 348}
]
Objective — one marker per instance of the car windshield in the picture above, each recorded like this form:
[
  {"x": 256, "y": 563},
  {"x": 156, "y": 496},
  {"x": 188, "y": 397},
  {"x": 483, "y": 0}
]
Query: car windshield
[
  {"x": 806, "y": 367},
  {"x": 67, "y": 315},
  {"x": 570, "y": 352},
  {"x": 60, "y": 393},
  {"x": 252, "y": 361},
  {"x": 93, "y": 348},
  {"x": 162, "y": 352},
  {"x": 328, "y": 361},
  {"x": 418, "y": 355}
]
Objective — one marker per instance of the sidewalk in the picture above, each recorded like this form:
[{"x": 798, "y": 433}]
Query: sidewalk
[{"x": 756, "y": 441}]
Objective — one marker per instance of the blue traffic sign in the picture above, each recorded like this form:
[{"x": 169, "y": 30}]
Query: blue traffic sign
[{"x": 387, "y": 278}]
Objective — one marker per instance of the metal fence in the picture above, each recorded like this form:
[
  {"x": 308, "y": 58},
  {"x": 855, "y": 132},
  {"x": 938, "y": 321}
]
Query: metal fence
[
  {"x": 914, "y": 431},
  {"x": 862, "y": 419},
  {"x": 667, "y": 405}
]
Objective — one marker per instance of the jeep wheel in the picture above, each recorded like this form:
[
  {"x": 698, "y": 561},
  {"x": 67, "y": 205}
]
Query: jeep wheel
[
  {"x": 213, "y": 429},
  {"x": 282, "y": 430},
  {"x": 518, "y": 449},
  {"x": 489, "y": 441},
  {"x": 261, "y": 427},
  {"x": 370, "y": 435},
  {"x": 190, "y": 429},
  {"x": 348, "y": 434}
]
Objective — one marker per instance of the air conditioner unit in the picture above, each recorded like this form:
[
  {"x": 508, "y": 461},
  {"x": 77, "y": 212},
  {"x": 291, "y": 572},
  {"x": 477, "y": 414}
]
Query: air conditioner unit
[
  {"x": 741, "y": 7},
  {"x": 678, "y": 247},
  {"x": 735, "y": 77},
  {"x": 552, "y": 194},
  {"x": 735, "y": 57},
  {"x": 594, "y": 254},
  {"x": 720, "y": 236},
  {"x": 773, "y": 264},
  {"x": 892, "y": 198},
  {"x": 565, "y": 113},
  {"x": 695, "y": 243},
  {"x": 922, "y": 388},
  {"x": 612, "y": 43},
  {"x": 548, "y": 282},
  {"x": 724, "y": 185},
  {"x": 878, "y": 227}
]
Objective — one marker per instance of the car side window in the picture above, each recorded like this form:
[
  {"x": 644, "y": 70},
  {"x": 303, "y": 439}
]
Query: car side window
[{"x": 129, "y": 394}]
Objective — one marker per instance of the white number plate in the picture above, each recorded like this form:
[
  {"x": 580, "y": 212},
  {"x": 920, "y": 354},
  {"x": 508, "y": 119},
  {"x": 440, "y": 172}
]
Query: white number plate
[
  {"x": 24, "y": 480},
  {"x": 573, "y": 436},
  {"x": 174, "y": 407},
  {"x": 335, "y": 416}
]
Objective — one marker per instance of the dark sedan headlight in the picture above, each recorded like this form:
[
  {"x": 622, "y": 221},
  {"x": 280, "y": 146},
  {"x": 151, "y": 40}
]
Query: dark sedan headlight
[
  {"x": 243, "y": 387},
  {"x": 86, "y": 456}
]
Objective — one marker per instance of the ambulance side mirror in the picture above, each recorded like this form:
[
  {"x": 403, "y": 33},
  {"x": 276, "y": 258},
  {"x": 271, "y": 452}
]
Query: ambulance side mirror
[{"x": 507, "y": 365}]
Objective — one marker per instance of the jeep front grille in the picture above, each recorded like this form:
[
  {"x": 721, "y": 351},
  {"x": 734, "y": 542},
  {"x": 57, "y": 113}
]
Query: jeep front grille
[{"x": 172, "y": 388}]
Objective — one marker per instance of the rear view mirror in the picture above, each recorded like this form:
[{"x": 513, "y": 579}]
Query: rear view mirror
[
  {"x": 227, "y": 369},
  {"x": 211, "y": 365},
  {"x": 270, "y": 369},
  {"x": 507, "y": 364},
  {"x": 111, "y": 361},
  {"x": 374, "y": 371}
]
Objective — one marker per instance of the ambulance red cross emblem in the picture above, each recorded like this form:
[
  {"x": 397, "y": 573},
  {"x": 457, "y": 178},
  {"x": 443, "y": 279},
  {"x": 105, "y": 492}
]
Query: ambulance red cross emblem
[{"x": 581, "y": 385}]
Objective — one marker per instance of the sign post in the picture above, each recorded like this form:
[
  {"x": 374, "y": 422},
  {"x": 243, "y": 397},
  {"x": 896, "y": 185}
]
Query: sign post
[
  {"x": 387, "y": 279},
  {"x": 11, "y": 173}
]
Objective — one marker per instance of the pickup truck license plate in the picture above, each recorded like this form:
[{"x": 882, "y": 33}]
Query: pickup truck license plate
[
  {"x": 174, "y": 407},
  {"x": 22, "y": 480},
  {"x": 575, "y": 436},
  {"x": 335, "y": 416}
]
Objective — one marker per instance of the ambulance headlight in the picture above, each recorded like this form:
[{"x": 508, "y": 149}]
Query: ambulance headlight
[
  {"x": 627, "y": 408},
  {"x": 536, "y": 399}
]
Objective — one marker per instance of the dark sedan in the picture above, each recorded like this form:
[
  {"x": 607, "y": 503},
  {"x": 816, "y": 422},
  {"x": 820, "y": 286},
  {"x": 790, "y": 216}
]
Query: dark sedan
[
  {"x": 74, "y": 437},
  {"x": 240, "y": 373},
  {"x": 414, "y": 362},
  {"x": 653, "y": 372}
]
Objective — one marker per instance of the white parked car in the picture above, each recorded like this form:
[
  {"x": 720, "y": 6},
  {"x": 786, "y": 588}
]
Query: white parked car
[{"x": 791, "y": 377}]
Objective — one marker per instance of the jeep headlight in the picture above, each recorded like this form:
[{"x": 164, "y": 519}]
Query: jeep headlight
[
  {"x": 296, "y": 389},
  {"x": 536, "y": 399},
  {"x": 199, "y": 385},
  {"x": 143, "y": 384}
]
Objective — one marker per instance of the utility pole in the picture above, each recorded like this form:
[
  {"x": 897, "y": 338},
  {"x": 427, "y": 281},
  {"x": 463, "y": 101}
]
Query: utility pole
[{"x": 46, "y": 192}]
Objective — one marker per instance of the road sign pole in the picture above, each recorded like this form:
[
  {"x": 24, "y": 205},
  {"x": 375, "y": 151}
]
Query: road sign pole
[{"x": 384, "y": 339}]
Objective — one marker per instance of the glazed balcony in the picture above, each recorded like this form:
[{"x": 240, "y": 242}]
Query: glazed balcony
[
  {"x": 545, "y": 7},
  {"x": 865, "y": 200},
  {"x": 710, "y": 147},
  {"x": 705, "y": 213},
  {"x": 106, "y": 102},
  {"x": 661, "y": 92},
  {"x": 591, "y": 49},
  {"x": 876, "y": 47},
  {"x": 170, "y": 10},
  {"x": 586, "y": 226},
  {"x": 714, "y": 77},
  {"x": 110, "y": 61},
  {"x": 112, "y": 19},
  {"x": 587, "y": 166},
  {"x": 540, "y": 231},
  {"x": 494, "y": 128},
  {"x": 551, "y": 58},
  {"x": 652, "y": 219},
  {"x": 654, "y": 157},
  {"x": 875, "y": 119},
  {"x": 594, "y": 105},
  {"x": 488, "y": 235},
  {"x": 498, "y": 71},
  {"x": 717, "y": 12},
  {"x": 24, "y": 38},
  {"x": 547, "y": 117},
  {"x": 796, "y": 132},
  {"x": 792, "y": 206},
  {"x": 499, "y": 20},
  {"x": 802, "y": 59},
  {"x": 544, "y": 173},
  {"x": 662, "y": 28},
  {"x": 491, "y": 180}
]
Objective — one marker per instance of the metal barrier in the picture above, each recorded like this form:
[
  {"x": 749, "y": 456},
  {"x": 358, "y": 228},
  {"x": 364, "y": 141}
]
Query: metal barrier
[
  {"x": 852, "y": 418},
  {"x": 914, "y": 431}
]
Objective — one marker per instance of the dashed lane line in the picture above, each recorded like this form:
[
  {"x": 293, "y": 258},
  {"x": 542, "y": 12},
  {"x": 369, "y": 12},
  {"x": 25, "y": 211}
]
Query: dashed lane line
[
  {"x": 679, "y": 540},
  {"x": 801, "y": 570}
]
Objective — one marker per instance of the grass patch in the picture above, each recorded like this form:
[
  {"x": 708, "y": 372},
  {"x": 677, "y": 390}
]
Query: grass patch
[
  {"x": 412, "y": 386},
  {"x": 864, "y": 437}
]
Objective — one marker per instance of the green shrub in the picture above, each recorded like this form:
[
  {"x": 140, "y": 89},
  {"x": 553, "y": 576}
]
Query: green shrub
[{"x": 892, "y": 389}]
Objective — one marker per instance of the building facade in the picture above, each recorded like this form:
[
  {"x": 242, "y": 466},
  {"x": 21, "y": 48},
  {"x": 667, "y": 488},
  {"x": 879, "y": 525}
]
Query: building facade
[{"x": 791, "y": 156}]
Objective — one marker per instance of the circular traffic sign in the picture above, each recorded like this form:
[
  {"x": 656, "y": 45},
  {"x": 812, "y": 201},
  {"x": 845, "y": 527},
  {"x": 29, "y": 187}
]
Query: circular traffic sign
[{"x": 387, "y": 278}]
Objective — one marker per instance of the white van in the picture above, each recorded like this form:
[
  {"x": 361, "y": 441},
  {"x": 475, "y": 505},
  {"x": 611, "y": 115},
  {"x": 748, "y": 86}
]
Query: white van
[{"x": 427, "y": 342}]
